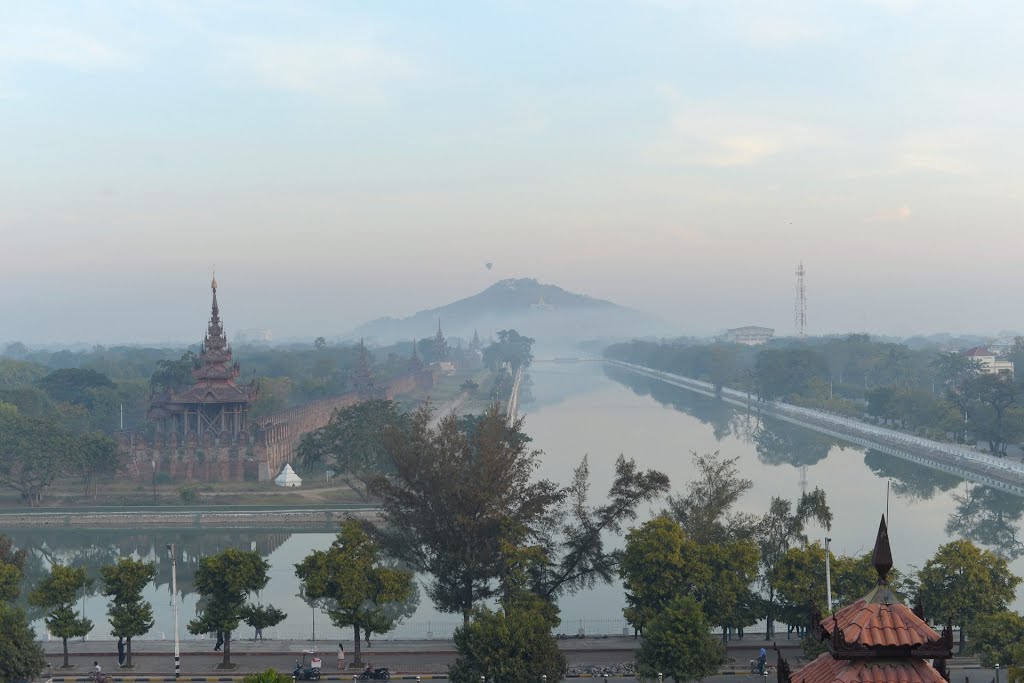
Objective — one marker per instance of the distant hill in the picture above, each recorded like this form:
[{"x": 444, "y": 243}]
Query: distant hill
[{"x": 545, "y": 312}]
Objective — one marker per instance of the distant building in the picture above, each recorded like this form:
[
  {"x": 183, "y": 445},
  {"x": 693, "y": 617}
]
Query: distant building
[
  {"x": 445, "y": 367},
  {"x": 750, "y": 335},
  {"x": 991, "y": 364},
  {"x": 253, "y": 337}
]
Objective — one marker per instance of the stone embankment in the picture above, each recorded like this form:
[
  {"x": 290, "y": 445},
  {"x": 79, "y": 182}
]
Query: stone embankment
[{"x": 293, "y": 518}]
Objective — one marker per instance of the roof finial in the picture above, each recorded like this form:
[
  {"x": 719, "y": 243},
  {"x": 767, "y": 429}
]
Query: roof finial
[
  {"x": 881, "y": 556},
  {"x": 213, "y": 281}
]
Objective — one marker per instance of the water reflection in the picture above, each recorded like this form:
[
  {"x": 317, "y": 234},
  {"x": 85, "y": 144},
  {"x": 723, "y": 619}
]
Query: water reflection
[
  {"x": 777, "y": 442},
  {"x": 911, "y": 480},
  {"x": 990, "y": 518},
  {"x": 94, "y": 548}
]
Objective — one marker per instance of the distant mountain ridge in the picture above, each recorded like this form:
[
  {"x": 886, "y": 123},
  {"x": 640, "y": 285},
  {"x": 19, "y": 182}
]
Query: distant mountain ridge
[{"x": 532, "y": 307}]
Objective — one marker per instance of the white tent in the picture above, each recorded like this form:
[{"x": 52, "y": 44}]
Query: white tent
[{"x": 288, "y": 477}]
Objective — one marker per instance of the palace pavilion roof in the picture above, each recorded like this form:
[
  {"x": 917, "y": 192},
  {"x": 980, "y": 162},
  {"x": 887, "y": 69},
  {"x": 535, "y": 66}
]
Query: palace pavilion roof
[
  {"x": 877, "y": 639},
  {"x": 215, "y": 375}
]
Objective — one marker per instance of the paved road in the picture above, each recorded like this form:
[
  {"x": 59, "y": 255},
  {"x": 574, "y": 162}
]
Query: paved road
[{"x": 424, "y": 657}]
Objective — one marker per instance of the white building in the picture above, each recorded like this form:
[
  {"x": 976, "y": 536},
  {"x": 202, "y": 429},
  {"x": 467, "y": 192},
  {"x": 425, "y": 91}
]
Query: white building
[
  {"x": 990, "y": 363},
  {"x": 750, "y": 335}
]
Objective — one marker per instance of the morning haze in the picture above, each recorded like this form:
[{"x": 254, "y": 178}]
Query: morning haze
[
  {"x": 511, "y": 341},
  {"x": 675, "y": 157}
]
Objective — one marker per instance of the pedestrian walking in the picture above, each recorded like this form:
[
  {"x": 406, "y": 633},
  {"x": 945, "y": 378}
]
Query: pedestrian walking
[
  {"x": 220, "y": 641},
  {"x": 259, "y": 634},
  {"x": 341, "y": 657}
]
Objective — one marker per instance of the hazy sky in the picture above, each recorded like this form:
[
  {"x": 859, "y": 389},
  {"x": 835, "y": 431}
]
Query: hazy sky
[{"x": 338, "y": 161}]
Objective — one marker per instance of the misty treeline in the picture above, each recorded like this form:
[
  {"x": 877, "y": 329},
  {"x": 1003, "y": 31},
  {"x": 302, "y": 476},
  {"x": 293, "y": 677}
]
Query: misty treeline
[{"x": 941, "y": 394}]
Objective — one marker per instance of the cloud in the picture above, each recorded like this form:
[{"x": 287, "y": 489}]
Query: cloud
[
  {"x": 59, "y": 46},
  {"x": 706, "y": 136},
  {"x": 778, "y": 32},
  {"x": 340, "y": 68},
  {"x": 898, "y": 214},
  {"x": 939, "y": 153}
]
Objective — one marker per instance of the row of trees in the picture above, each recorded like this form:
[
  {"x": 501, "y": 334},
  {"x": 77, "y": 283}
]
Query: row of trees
[
  {"x": 938, "y": 393},
  {"x": 56, "y": 595},
  {"x": 35, "y": 451}
]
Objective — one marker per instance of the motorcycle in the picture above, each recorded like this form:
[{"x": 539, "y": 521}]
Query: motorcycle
[
  {"x": 301, "y": 672},
  {"x": 97, "y": 677},
  {"x": 381, "y": 674}
]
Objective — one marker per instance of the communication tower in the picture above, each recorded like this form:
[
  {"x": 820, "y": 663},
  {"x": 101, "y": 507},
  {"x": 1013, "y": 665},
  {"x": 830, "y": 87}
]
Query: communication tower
[{"x": 800, "y": 312}]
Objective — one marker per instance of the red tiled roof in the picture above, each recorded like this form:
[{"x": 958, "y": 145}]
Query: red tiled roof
[
  {"x": 824, "y": 669},
  {"x": 880, "y": 619},
  {"x": 978, "y": 351}
]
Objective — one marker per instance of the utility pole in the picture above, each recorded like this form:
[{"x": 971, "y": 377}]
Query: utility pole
[
  {"x": 172, "y": 550},
  {"x": 800, "y": 310}
]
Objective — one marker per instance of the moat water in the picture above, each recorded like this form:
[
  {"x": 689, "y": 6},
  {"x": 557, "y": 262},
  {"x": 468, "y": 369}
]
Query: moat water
[{"x": 589, "y": 409}]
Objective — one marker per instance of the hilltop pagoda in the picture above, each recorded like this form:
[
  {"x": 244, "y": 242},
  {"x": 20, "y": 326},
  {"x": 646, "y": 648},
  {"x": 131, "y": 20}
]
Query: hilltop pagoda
[
  {"x": 877, "y": 639},
  {"x": 214, "y": 410}
]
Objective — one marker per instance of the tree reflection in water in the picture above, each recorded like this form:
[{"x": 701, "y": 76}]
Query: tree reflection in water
[
  {"x": 989, "y": 517},
  {"x": 910, "y": 480},
  {"x": 777, "y": 442},
  {"x": 93, "y": 548}
]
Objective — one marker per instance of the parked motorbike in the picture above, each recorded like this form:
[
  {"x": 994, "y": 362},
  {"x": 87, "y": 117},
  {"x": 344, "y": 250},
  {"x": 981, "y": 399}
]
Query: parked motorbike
[
  {"x": 301, "y": 672},
  {"x": 381, "y": 674}
]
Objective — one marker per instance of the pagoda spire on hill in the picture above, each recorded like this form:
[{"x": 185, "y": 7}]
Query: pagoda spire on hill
[
  {"x": 415, "y": 362},
  {"x": 440, "y": 351}
]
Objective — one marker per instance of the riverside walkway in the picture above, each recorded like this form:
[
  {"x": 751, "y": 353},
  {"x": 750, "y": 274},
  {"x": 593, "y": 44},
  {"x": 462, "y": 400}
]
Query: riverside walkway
[{"x": 966, "y": 463}]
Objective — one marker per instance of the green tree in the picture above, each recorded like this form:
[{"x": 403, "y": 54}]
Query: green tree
[
  {"x": 780, "y": 529},
  {"x": 455, "y": 490},
  {"x": 659, "y": 563},
  {"x": 783, "y": 373},
  {"x": 723, "y": 366},
  {"x": 997, "y": 393},
  {"x": 515, "y": 642},
  {"x": 678, "y": 644},
  {"x": 463, "y": 489},
  {"x": 993, "y": 636},
  {"x": 21, "y": 657},
  {"x": 662, "y": 562},
  {"x": 74, "y": 385},
  {"x": 352, "y": 442},
  {"x": 96, "y": 455},
  {"x": 57, "y": 594},
  {"x": 129, "y": 614},
  {"x": 32, "y": 453},
  {"x": 225, "y": 581},
  {"x": 174, "y": 374},
  {"x": 511, "y": 348},
  {"x": 259, "y": 617},
  {"x": 962, "y": 582},
  {"x": 508, "y": 645},
  {"x": 350, "y": 581},
  {"x": 705, "y": 512}
]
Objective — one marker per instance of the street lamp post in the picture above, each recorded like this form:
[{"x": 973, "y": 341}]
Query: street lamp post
[
  {"x": 172, "y": 551},
  {"x": 828, "y": 576},
  {"x": 153, "y": 462}
]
